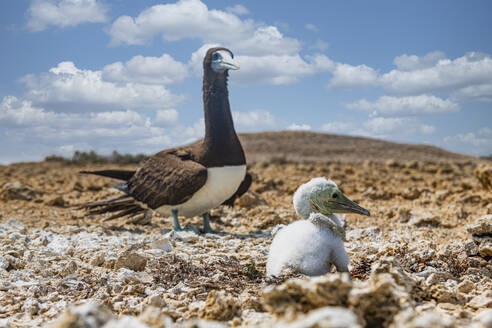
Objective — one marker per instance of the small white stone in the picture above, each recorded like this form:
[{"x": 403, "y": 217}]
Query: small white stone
[
  {"x": 124, "y": 322},
  {"x": 480, "y": 301},
  {"x": 186, "y": 236},
  {"x": 4, "y": 263},
  {"x": 13, "y": 223},
  {"x": 156, "y": 300},
  {"x": 31, "y": 306},
  {"x": 162, "y": 243}
]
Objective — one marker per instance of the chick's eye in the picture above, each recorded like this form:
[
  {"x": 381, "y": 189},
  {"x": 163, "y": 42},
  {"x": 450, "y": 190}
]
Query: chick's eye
[
  {"x": 334, "y": 196},
  {"x": 215, "y": 56}
]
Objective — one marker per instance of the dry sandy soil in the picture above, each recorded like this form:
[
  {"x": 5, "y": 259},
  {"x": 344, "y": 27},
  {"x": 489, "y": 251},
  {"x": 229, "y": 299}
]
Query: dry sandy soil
[{"x": 422, "y": 259}]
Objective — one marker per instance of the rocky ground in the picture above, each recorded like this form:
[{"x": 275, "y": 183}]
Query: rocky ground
[{"x": 423, "y": 258}]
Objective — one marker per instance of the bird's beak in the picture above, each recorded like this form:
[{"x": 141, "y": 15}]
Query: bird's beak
[
  {"x": 228, "y": 63},
  {"x": 341, "y": 204}
]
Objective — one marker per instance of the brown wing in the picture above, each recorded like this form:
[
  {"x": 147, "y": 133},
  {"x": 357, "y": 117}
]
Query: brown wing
[{"x": 167, "y": 178}]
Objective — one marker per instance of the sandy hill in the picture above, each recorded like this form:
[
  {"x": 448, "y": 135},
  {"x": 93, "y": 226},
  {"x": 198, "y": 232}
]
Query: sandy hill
[{"x": 319, "y": 147}]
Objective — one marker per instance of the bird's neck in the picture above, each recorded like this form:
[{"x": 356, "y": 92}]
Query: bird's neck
[
  {"x": 321, "y": 219},
  {"x": 330, "y": 221},
  {"x": 220, "y": 136}
]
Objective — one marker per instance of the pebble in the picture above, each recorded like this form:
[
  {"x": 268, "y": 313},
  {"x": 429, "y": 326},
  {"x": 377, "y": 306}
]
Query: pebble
[
  {"x": 480, "y": 301},
  {"x": 336, "y": 317},
  {"x": 131, "y": 260},
  {"x": 482, "y": 226},
  {"x": 307, "y": 294},
  {"x": 162, "y": 243},
  {"x": 425, "y": 219},
  {"x": 4, "y": 263}
]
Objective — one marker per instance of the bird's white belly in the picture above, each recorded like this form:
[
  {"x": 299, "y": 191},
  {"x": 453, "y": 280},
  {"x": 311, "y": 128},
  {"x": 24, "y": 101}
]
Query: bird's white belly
[{"x": 221, "y": 184}]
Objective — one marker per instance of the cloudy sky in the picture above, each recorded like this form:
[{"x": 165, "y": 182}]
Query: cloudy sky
[{"x": 126, "y": 75}]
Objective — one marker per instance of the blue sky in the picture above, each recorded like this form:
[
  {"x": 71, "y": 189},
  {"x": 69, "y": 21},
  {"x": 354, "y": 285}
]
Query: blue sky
[{"x": 126, "y": 75}]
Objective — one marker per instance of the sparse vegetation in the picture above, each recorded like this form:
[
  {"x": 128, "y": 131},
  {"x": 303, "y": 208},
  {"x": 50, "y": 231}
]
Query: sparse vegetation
[
  {"x": 82, "y": 158},
  {"x": 488, "y": 157}
]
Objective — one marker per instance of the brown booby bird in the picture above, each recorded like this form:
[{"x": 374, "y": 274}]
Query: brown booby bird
[{"x": 189, "y": 180}]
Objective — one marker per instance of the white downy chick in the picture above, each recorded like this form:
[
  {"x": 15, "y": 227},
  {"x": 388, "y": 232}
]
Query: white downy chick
[{"x": 311, "y": 246}]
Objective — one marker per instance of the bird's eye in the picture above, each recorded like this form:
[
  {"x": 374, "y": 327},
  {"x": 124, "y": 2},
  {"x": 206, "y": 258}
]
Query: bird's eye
[
  {"x": 334, "y": 196},
  {"x": 215, "y": 56}
]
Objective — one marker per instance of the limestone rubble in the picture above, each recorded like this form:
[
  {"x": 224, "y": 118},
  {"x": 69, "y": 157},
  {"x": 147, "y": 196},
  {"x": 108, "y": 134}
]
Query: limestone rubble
[{"x": 422, "y": 259}]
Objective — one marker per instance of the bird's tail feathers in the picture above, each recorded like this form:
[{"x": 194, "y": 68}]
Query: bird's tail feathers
[
  {"x": 124, "y": 175},
  {"x": 120, "y": 207}
]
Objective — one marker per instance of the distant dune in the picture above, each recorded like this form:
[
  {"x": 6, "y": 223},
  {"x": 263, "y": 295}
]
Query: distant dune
[{"x": 320, "y": 147}]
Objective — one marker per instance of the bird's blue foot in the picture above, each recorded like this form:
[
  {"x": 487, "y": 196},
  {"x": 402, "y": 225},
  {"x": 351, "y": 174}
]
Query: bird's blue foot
[
  {"x": 177, "y": 226},
  {"x": 206, "y": 225}
]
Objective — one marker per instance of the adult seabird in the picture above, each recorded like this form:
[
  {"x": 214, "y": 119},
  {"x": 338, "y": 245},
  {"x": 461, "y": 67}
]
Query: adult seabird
[
  {"x": 311, "y": 246},
  {"x": 189, "y": 180}
]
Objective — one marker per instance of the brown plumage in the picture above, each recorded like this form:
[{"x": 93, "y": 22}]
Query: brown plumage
[{"x": 173, "y": 176}]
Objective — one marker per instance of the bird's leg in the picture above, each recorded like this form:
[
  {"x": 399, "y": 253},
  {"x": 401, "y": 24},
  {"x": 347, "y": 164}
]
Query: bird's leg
[
  {"x": 206, "y": 224},
  {"x": 177, "y": 227}
]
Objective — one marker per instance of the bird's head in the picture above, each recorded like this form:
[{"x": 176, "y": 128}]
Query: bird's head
[
  {"x": 220, "y": 60},
  {"x": 320, "y": 195}
]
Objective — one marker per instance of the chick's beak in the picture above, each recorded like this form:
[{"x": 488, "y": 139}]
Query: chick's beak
[
  {"x": 341, "y": 204},
  {"x": 345, "y": 205}
]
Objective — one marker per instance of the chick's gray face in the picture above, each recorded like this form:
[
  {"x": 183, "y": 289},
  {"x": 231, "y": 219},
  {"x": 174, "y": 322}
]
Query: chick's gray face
[
  {"x": 331, "y": 200},
  {"x": 222, "y": 61}
]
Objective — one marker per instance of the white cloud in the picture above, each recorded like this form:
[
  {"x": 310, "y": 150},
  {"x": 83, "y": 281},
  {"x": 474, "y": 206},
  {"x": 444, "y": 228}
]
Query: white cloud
[
  {"x": 380, "y": 127},
  {"x": 266, "y": 40},
  {"x": 383, "y": 125},
  {"x": 36, "y": 132},
  {"x": 394, "y": 127},
  {"x": 339, "y": 127},
  {"x": 311, "y": 27},
  {"x": 413, "y": 62},
  {"x": 15, "y": 113},
  {"x": 476, "y": 143},
  {"x": 120, "y": 118},
  {"x": 20, "y": 112},
  {"x": 299, "y": 127},
  {"x": 152, "y": 70},
  {"x": 63, "y": 13},
  {"x": 404, "y": 106},
  {"x": 464, "y": 79},
  {"x": 166, "y": 116},
  {"x": 273, "y": 69},
  {"x": 68, "y": 88},
  {"x": 237, "y": 9},
  {"x": 427, "y": 129},
  {"x": 469, "y": 138},
  {"x": 253, "y": 120},
  {"x": 485, "y": 131},
  {"x": 172, "y": 22},
  {"x": 319, "y": 45},
  {"x": 474, "y": 93},
  {"x": 195, "y": 132},
  {"x": 469, "y": 76},
  {"x": 346, "y": 76},
  {"x": 348, "y": 128}
]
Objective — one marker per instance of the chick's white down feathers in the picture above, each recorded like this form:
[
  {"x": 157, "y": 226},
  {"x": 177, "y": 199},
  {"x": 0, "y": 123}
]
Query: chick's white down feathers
[{"x": 308, "y": 246}]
